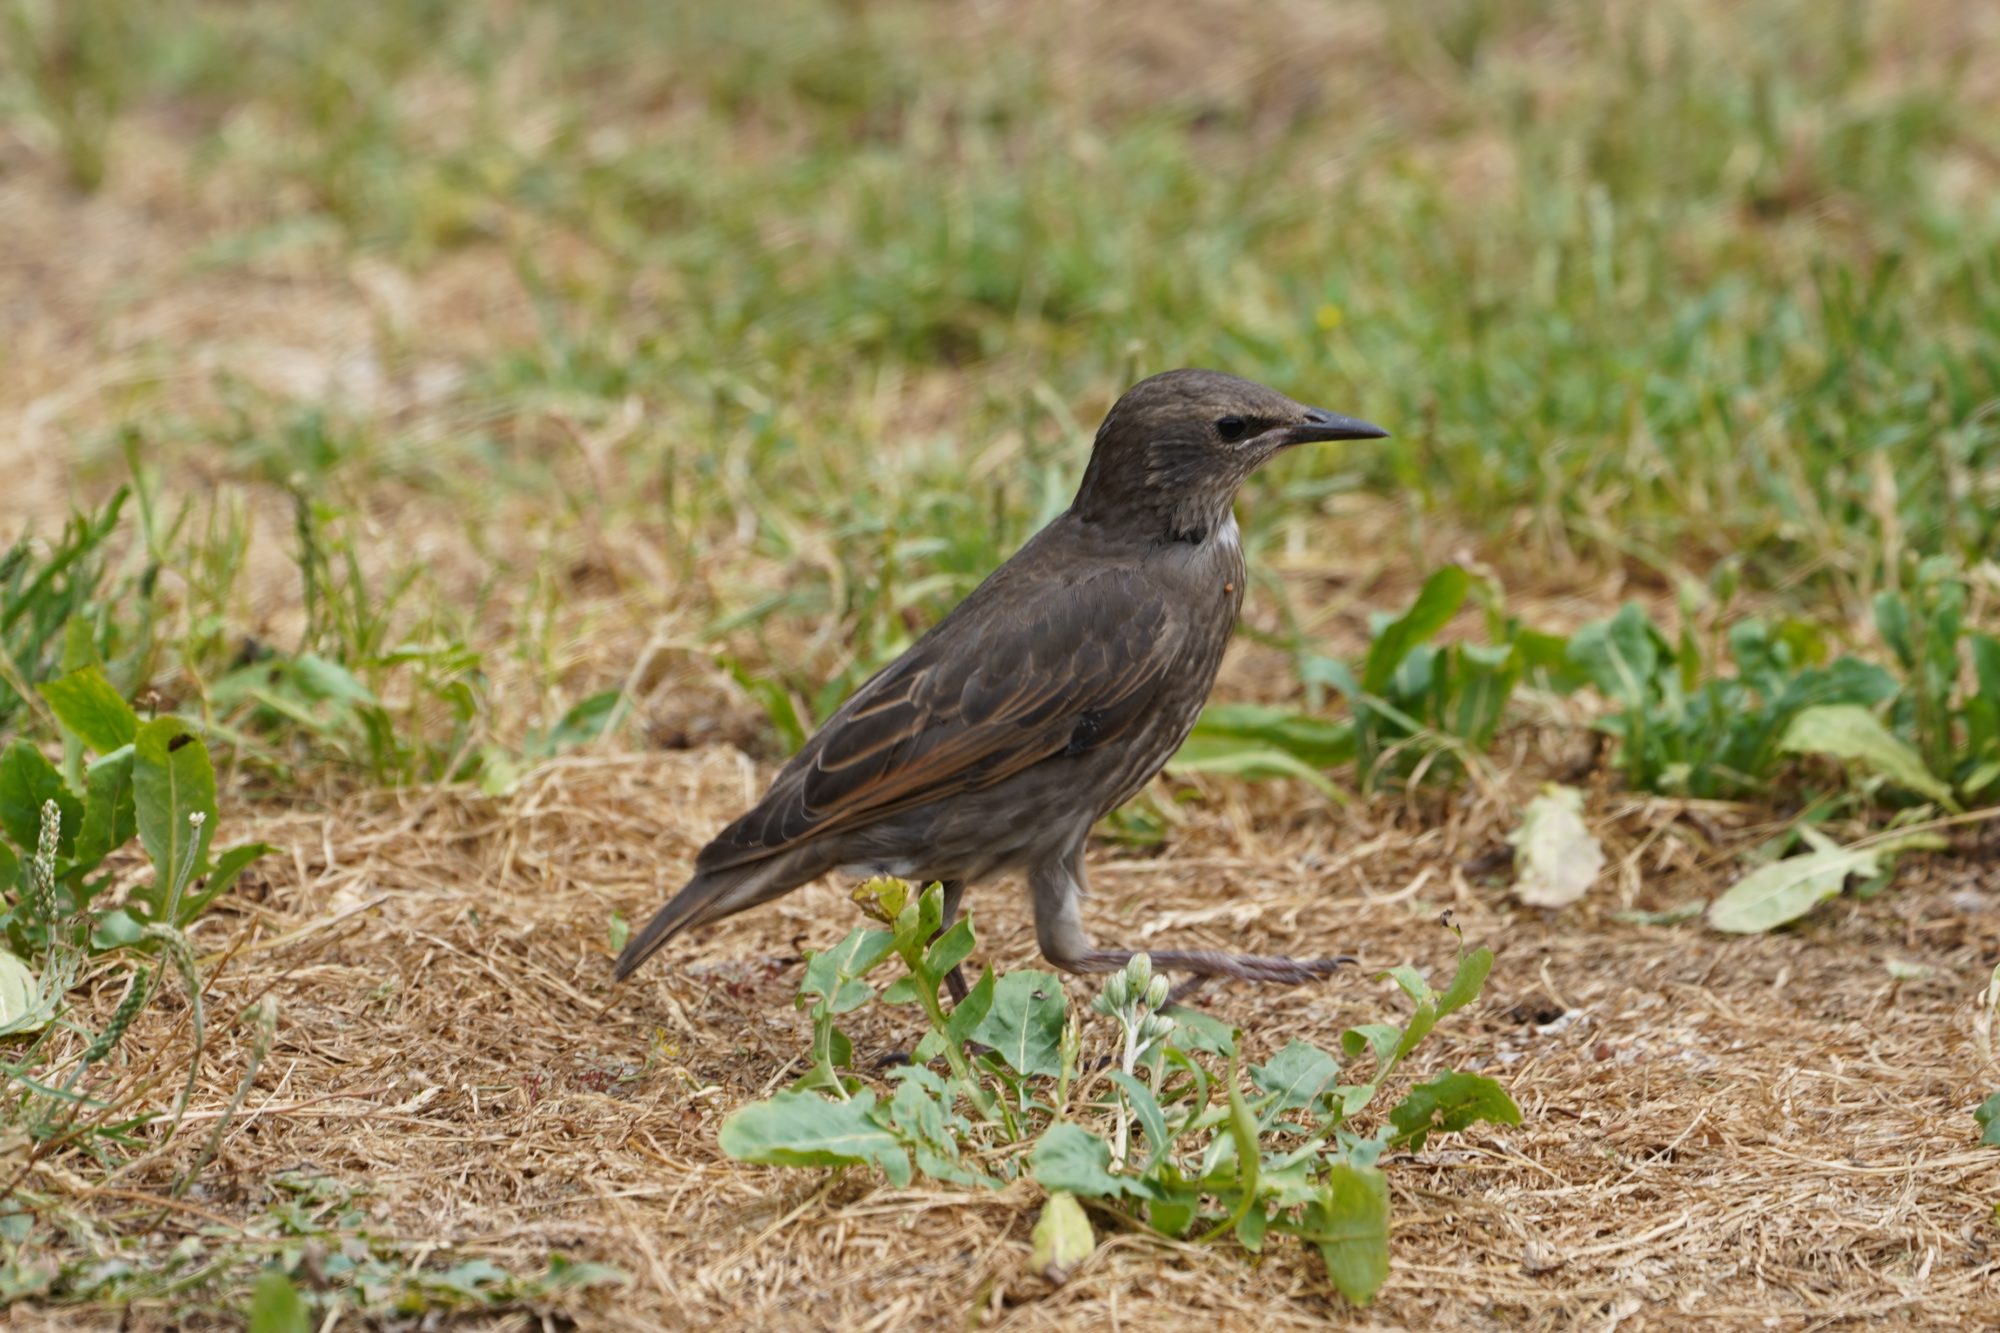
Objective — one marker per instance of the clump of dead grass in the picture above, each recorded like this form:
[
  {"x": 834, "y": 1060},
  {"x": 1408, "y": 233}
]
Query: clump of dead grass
[{"x": 1770, "y": 1129}]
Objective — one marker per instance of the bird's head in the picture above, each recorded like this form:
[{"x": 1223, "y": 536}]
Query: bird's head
[{"x": 1173, "y": 450}]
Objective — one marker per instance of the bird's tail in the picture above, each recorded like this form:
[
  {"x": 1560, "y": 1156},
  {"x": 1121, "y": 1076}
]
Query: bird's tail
[{"x": 709, "y": 896}]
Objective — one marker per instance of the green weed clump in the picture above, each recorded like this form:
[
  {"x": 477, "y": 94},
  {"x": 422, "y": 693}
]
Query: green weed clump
[
  {"x": 1927, "y": 723},
  {"x": 149, "y": 780},
  {"x": 1220, "y": 1152}
]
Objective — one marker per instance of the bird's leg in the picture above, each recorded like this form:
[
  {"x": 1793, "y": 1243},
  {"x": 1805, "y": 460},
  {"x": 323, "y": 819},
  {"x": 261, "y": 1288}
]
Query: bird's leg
[
  {"x": 954, "y": 980},
  {"x": 1059, "y": 932}
]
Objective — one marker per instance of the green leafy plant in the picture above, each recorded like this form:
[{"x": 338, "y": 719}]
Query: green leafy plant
[
  {"x": 1216, "y": 1154},
  {"x": 1416, "y": 708},
  {"x": 149, "y": 779},
  {"x": 1681, "y": 728},
  {"x": 56, "y": 609},
  {"x": 1951, "y": 714}
]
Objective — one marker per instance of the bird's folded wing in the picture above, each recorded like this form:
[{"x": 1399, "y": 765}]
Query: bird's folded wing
[{"x": 999, "y": 685}]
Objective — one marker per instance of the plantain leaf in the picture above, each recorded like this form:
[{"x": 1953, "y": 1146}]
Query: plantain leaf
[
  {"x": 806, "y": 1129},
  {"x": 1786, "y": 890},
  {"x": 1448, "y": 1103},
  {"x": 1024, "y": 1025},
  {"x": 91, "y": 709},
  {"x": 1350, "y": 1224},
  {"x": 1437, "y": 602},
  {"x": 1849, "y": 731},
  {"x": 171, "y": 780}
]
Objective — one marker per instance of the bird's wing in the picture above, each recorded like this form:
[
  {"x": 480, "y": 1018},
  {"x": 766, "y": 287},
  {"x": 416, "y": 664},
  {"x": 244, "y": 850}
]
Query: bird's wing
[{"x": 999, "y": 685}]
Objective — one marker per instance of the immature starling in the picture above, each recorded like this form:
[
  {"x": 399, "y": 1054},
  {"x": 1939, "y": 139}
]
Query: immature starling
[{"x": 1045, "y": 699}]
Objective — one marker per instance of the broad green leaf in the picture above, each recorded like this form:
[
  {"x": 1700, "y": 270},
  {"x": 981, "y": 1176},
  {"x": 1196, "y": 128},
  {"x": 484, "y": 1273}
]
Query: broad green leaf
[
  {"x": 1421, "y": 1022},
  {"x": 1988, "y": 1116},
  {"x": 1466, "y": 982},
  {"x": 1437, "y": 602},
  {"x": 172, "y": 779},
  {"x": 1024, "y": 1025},
  {"x": 806, "y": 1129},
  {"x": 1062, "y": 1238},
  {"x": 968, "y": 1013},
  {"x": 1619, "y": 655},
  {"x": 1350, "y": 1224},
  {"x": 276, "y": 1306},
  {"x": 116, "y": 929},
  {"x": 1070, "y": 1157},
  {"x": 27, "y": 779},
  {"x": 1298, "y": 1075},
  {"x": 1172, "y": 1210},
  {"x": 1981, "y": 777},
  {"x": 832, "y": 973},
  {"x": 1782, "y": 891},
  {"x": 109, "y": 816},
  {"x": 91, "y": 709},
  {"x": 1250, "y": 1228},
  {"x": 1849, "y": 731},
  {"x": 1411, "y": 982},
  {"x": 1247, "y": 759},
  {"x": 1545, "y": 658},
  {"x": 951, "y": 948},
  {"x": 321, "y": 678},
  {"x": 918, "y": 921},
  {"x": 1447, "y": 1104},
  {"x": 1381, "y": 1038},
  {"x": 1556, "y": 857}
]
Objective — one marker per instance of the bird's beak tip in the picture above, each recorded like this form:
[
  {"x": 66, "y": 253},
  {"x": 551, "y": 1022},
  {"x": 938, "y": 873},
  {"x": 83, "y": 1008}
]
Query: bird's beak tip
[{"x": 1320, "y": 424}]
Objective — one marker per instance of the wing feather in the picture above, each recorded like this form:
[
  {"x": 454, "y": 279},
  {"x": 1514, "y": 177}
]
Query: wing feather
[{"x": 983, "y": 696}]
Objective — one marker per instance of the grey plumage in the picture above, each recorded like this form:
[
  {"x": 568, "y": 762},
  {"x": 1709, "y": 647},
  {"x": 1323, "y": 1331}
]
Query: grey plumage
[{"x": 1045, "y": 699}]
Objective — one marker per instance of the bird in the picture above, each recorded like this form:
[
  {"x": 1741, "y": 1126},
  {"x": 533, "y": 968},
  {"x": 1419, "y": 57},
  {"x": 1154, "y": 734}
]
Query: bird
[{"x": 1043, "y": 701}]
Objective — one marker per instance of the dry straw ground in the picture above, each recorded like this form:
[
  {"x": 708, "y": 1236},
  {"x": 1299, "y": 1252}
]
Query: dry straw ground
[{"x": 1757, "y": 1133}]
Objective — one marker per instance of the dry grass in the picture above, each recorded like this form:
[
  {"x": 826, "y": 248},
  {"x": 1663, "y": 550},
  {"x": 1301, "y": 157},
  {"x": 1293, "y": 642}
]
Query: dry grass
[{"x": 1757, "y": 1133}]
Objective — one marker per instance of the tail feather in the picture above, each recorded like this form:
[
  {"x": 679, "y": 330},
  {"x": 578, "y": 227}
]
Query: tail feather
[{"x": 709, "y": 896}]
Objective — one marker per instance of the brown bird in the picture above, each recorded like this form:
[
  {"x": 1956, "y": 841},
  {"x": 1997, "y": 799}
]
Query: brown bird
[{"x": 1045, "y": 699}]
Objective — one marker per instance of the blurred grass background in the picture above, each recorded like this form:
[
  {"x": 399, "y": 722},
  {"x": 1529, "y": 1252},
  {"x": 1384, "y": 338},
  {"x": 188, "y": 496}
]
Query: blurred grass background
[{"x": 769, "y": 329}]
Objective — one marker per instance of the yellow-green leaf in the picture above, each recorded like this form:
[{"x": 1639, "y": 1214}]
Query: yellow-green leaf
[
  {"x": 1062, "y": 1238},
  {"x": 1851, "y": 732}
]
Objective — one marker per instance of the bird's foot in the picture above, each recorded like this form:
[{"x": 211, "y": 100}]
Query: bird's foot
[{"x": 1207, "y": 963}]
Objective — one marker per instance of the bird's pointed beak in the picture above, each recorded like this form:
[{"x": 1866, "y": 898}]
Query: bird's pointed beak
[{"x": 1319, "y": 424}]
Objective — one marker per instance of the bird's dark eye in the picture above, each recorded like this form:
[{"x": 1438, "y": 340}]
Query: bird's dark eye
[{"x": 1231, "y": 428}]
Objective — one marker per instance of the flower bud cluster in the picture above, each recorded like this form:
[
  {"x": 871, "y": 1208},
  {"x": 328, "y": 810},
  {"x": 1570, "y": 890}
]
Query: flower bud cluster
[{"x": 1134, "y": 996}]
